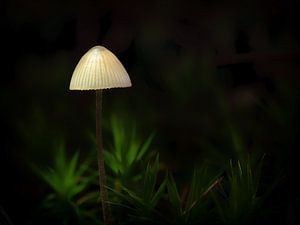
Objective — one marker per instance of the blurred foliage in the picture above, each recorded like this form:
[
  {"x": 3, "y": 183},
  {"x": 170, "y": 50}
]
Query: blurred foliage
[
  {"x": 234, "y": 187},
  {"x": 193, "y": 83},
  {"x": 127, "y": 151},
  {"x": 69, "y": 196},
  {"x": 196, "y": 206},
  {"x": 140, "y": 201},
  {"x": 238, "y": 200}
]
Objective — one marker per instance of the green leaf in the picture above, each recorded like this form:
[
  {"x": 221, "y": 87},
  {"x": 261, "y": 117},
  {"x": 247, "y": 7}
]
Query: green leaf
[
  {"x": 65, "y": 177},
  {"x": 150, "y": 179},
  {"x": 145, "y": 146},
  {"x": 112, "y": 162},
  {"x": 125, "y": 158},
  {"x": 173, "y": 194},
  {"x": 159, "y": 193},
  {"x": 133, "y": 147}
]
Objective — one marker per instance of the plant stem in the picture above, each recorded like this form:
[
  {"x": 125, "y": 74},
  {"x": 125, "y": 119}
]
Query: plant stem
[{"x": 101, "y": 167}]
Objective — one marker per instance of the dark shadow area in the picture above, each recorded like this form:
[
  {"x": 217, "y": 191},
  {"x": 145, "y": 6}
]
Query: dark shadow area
[{"x": 214, "y": 109}]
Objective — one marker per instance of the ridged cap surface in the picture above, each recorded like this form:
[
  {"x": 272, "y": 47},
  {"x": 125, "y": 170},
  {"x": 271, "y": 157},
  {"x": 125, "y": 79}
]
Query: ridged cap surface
[{"x": 97, "y": 69}]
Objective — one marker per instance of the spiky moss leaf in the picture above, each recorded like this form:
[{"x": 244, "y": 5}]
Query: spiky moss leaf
[
  {"x": 128, "y": 149},
  {"x": 173, "y": 194},
  {"x": 141, "y": 200},
  {"x": 64, "y": 176},
  {"x": 150, "y": 179},
  {"x": 143, "y": 149},
  {"x": 112, "y": 162},
  {"x": 240, "y": 199},
  {"x": 158, "y": 195},
  {"x": 118, "y": 137}
]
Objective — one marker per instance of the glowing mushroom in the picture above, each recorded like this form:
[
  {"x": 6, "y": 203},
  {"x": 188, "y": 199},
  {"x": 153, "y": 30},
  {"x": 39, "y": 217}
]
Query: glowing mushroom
[{"x": 100, "y": 69}]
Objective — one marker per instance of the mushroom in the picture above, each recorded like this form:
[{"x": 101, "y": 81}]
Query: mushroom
[{"x": 100, "y": 69}]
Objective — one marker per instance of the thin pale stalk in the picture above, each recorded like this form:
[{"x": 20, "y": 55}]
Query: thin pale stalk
[{"x": 102, "y": 175}]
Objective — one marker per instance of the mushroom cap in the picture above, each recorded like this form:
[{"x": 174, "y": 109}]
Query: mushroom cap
[{"x": 98, "y": 69}]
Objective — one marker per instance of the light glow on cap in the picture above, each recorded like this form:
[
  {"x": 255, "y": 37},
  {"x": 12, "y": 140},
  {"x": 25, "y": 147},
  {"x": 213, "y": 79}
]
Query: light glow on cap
[{"x": 98, "y": 69}]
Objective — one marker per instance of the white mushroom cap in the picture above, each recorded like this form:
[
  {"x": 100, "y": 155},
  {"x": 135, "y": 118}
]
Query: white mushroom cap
[{"x": 97, "y": 69}]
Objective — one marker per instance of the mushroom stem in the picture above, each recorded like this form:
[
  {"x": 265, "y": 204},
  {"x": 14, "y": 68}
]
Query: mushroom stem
[{"x": 101, "y": 167}]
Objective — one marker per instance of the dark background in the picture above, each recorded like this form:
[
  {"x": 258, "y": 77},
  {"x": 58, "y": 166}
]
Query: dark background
[{"x": 199, "y": 69}]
